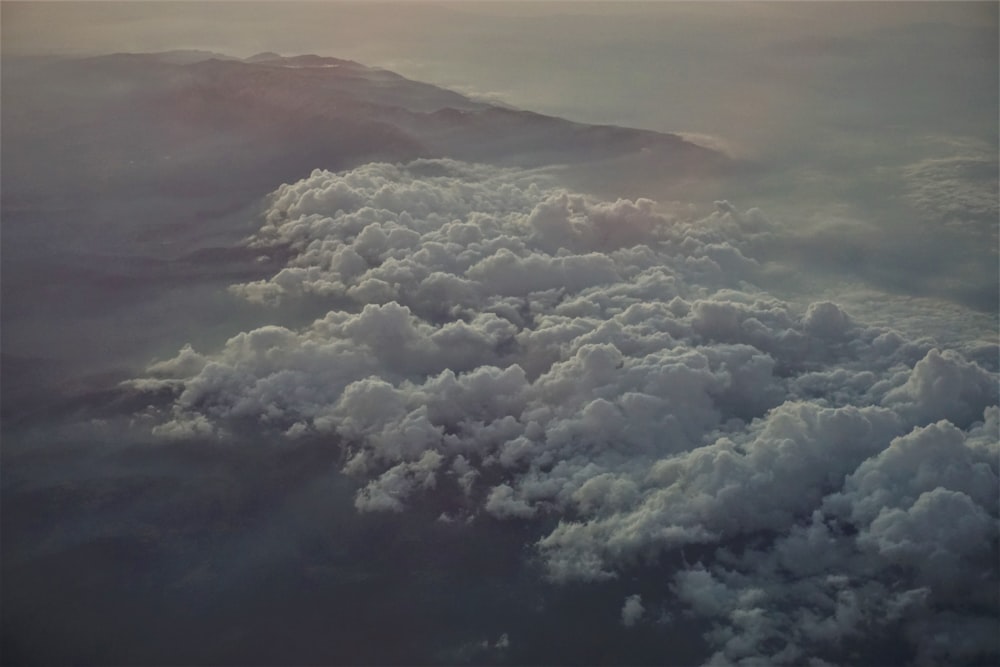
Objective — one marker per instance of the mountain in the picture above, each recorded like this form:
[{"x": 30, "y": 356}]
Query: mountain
[
  {"x": 195, "y": 123},
  {"x": 126, "y": 177}
]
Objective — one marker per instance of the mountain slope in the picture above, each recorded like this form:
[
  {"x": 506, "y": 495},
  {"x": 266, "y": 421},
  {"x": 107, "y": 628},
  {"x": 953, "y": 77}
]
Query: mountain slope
[{"x": 192, "y": 122}]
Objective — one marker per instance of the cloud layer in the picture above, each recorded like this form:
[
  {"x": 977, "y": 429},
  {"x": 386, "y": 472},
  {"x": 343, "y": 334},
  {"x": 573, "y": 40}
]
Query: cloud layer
[{"x": 503, "y": 347}]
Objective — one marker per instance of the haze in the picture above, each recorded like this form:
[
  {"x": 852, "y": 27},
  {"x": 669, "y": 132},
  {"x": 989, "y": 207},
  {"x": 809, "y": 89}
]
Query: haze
[{"x": 500, "y": 333}]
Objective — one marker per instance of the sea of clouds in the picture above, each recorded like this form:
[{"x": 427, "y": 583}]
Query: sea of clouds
[{"x": 499, "y": 346}]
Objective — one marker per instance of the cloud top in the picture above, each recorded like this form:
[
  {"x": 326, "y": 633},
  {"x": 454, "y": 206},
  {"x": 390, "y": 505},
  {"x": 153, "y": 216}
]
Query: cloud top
[{"x": 525, "y": 351}]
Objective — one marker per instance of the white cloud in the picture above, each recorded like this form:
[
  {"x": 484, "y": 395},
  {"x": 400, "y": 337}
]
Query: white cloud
[
  {"x": 632, "y": 610},
  {"x": 610, "y": 366},
  {"x": 906, "y": 549},
  {"x": 944, "y": 385}
]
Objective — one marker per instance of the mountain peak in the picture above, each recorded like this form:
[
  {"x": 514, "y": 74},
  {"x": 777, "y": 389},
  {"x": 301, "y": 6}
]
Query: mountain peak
[
  {"x": 263, "y": 57},
  {"x": 308, "y": 60}
]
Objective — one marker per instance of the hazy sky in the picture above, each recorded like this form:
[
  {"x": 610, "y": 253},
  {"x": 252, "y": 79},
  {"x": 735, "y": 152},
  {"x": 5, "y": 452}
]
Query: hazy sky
[
  {"x": 752, "y": 74},
  {"x": 275, "y": 392}
]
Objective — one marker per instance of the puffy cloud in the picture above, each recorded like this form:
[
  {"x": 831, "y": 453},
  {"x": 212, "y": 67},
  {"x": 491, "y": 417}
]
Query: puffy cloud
[
  {"x": 777, "y": 471},
  {"x": 388, "y": 490},
  {"x": 919, "y": 462},
  {"x": 825, "y": 319},
  {"x": 503, "y": 504},
  {"x": 632, "y": 610},
  {"x": 906, "y": 548},
  {"x": 507, "y": 348},
  {"x": 944, "y": 385}
]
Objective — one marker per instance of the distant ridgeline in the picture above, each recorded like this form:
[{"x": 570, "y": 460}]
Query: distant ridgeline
[{"x": 192, "y": 122}]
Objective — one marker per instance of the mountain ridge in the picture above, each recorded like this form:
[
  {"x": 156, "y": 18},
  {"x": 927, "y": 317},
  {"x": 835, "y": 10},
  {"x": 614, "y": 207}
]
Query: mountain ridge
[{"x": 194, "y": 122}]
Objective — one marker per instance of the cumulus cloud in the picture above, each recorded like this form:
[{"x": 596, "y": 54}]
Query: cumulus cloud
[
  {"x": 527, "y": 352},
  {"x": 906, "y": 549},
  {"x": 945, "y": 385},
  {"x": 632, "y": 610}
]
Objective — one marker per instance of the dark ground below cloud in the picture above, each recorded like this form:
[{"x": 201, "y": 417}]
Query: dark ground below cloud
[{"x": 253, "y": 554}]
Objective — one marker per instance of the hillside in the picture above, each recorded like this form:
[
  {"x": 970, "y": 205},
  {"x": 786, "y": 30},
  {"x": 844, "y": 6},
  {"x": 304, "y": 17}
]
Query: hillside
[{"x": 191, "y": 123}]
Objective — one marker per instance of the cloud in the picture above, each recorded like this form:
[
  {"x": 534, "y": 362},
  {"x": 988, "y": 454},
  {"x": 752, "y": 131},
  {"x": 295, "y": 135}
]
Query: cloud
[
  {"x": 945, "y": 385},
  {"x": 502, "y": 347},
  {"x": 904, "y": 549},
  {"x": 632, "y": 610},
  {"x": 957, "y": 191}
]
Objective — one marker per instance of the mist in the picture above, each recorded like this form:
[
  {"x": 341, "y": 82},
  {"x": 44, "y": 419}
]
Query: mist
[{"x": 500, "y": 333}]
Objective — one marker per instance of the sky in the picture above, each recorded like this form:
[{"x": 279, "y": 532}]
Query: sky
[
  {"x": 663, "y": 66},
  {"x": 272, "y": 397}
]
